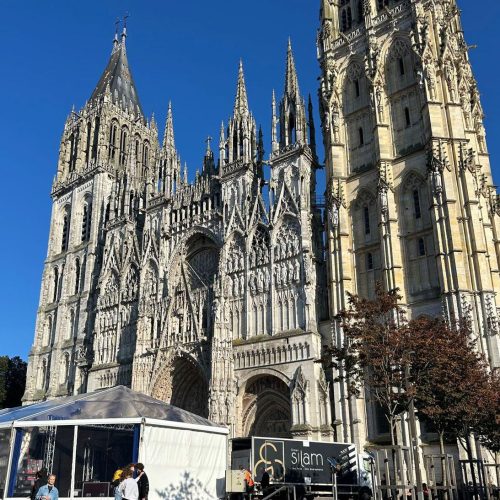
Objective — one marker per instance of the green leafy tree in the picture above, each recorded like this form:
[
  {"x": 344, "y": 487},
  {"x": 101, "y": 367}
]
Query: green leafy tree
[
  {"x": 12, "y": 381},
  {"x": 4, "y": 368}
]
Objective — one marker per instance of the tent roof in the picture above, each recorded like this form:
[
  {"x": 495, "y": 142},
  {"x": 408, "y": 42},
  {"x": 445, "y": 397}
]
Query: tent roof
[{"x": 116, "y": 402}]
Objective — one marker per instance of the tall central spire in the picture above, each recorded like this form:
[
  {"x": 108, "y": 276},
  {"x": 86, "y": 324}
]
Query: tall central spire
[{"x": 241, "y": 102}]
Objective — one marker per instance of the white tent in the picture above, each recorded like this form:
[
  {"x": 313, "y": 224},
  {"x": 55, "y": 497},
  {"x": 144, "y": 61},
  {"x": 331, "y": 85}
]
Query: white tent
[{"x": 83, "y": 439}]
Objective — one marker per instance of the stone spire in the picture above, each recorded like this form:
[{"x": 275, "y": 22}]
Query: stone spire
[
  {"x": 293, "y": 122},
  {"x": 291, "y": 80},
  {"x": 274, "y": 127},
  {"x": 208, "y": 159},
  {"x": 241, "y": 130},
  {"x": 241, "y": 102},
  {"x": 117, "y": 77},
  {"x": 168, "y": 137}
]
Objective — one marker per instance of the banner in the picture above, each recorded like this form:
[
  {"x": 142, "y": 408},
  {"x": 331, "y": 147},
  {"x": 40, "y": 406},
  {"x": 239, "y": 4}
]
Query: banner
[{"x": 308, "y": 462}]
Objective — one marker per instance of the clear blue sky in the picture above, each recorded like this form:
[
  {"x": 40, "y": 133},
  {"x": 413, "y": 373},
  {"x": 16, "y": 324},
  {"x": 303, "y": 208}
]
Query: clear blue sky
[{"x": 53, "y": 52}]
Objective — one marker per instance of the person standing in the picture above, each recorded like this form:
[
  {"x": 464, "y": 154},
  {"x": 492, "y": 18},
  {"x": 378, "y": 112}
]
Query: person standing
[
  {"x": 249, "y": 482},
  {"x": 116, "y": 482},
  {"x": 264, "y": 482},
  {"x": 143, "y": 482},
  {"x": 48, "y": 491},
  {"x": 128, "y": 488},
  {"x": 41, "y": 479}
]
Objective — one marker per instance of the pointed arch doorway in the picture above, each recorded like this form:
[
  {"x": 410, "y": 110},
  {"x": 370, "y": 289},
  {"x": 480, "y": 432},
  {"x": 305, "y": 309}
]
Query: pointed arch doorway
[
  {"x": 266, "y": 408},
  {"x": 183, "y": 384}
]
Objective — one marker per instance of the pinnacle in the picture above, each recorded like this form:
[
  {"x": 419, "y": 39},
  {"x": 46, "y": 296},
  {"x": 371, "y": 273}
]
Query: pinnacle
[
  {"x": 291, "y": 80},
  {"x": 222, "y": 136},
  {"x": 241, "y": 102},
  {"x": 168, "y": 138}
]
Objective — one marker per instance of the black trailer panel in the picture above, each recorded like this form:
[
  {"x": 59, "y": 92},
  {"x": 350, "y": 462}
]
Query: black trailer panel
[{"x": 309, "y": 462}]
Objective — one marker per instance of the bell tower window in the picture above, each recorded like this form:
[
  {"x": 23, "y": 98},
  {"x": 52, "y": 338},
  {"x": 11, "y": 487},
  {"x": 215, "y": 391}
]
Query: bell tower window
[
  {"x": 145, "y": 156},
  {"x": 123, "y": 147},
  {"x": 421, "y": 247},
  {"x": 112, "y": 141},
  {"x": 366, "y": 218},
  {"x": 96, "y": 138},
  {"x": 360, "y": 11},
  {"x": 369, "y": 261},
  {"x": 356, "y": 88},
  {"x": 89, "y": 142},
  {"x": 55, "y": 285},
  {"x": 407, "y": 117},
  {"x": 65, "y": 233},
  {"x": 401, "y": 66},
  {"x": 86, "y": 221},
  {"x": 416, "y": 204},
  {"x": 345, "y": 16},
  {"x": 361, "y": 136},
  {"x": 77, "y": 276},
  {"x": 72, "y": 154}
]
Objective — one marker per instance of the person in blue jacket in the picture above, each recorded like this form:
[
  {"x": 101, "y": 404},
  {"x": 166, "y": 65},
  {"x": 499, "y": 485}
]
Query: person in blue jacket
[{"x": 48, "y": 491}]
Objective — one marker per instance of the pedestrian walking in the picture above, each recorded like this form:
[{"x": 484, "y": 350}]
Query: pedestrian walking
[
  {"x": 41, "y": 480},
  {"x": 48, "y": 491},
  {"x": 143, "y": 482}
]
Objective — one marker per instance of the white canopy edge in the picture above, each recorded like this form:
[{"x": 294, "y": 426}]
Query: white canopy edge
[{"x": 113, "y": 421}]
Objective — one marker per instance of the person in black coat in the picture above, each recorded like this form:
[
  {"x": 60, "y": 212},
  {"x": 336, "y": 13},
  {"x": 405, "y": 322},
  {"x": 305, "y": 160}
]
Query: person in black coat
[
  {"x": 41, "y": 480},
  {"x": 264, "y": 482},
  {"x": 143, "y": 482}
]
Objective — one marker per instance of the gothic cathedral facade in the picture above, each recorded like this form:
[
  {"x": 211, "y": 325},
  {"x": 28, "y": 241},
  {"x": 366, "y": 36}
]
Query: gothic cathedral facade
[{"x": 217, "y": 295}]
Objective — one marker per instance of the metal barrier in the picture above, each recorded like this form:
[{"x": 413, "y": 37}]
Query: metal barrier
[
  {"x": 441, "y": 476},
  {"x": 394, "y": 471},
  {"x": 275, "y": 492}
]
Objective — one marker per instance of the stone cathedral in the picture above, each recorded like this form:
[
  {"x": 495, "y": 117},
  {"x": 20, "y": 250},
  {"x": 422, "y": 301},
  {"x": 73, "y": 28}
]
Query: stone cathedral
[{"x": 217, "y": 295}]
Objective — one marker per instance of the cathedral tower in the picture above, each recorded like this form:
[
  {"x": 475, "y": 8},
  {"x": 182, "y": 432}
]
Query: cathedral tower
[
  {"x": 105, "y": 154},
  {"x": 410, "y": 196}
]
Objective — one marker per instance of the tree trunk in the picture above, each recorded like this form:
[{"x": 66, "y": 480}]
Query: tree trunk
[
  {"x": 441, "y": 442},
  {"x": 497, "y": 469},
  {"x": 444, "y": 464},
  {"x": 392, "y": 426},
  {"x": 393, "y": 430},
  {"x": 468, "y": 448}
]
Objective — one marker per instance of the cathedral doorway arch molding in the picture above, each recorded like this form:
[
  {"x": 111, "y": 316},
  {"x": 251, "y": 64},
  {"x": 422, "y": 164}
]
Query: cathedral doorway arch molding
[
  {"x": 182, "y": 249},
  {"x": 265, "y": 407},
  {"x": 182, "y": 382}
]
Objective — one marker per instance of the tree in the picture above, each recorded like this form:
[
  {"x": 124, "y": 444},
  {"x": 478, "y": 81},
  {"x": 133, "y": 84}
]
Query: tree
[
  {"x": 12, "y": 381},
  {"x": 456, "y": 393},
  {"x": 489, "y": 426},
  {"x": 375, "y": 352}
]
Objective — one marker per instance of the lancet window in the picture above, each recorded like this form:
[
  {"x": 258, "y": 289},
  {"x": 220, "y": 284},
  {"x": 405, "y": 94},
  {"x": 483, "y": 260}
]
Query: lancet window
[
  {"x": 422, "y": 282},
  {"x": 366, "y": 244}
]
